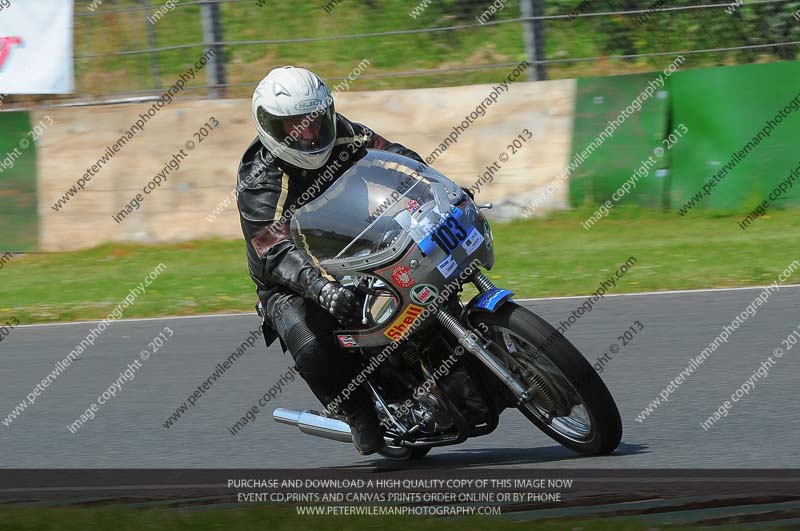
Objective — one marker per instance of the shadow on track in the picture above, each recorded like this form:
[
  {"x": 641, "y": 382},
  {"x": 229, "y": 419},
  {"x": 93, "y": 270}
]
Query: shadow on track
[{"x": 493, "y": 457}]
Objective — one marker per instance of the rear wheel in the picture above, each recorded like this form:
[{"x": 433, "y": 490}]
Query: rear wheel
[
  {"x": 404, "y": 453},
  {"x": 568, "y": 400}
]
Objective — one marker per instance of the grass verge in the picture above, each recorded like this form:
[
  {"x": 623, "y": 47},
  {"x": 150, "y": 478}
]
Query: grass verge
[
  {"x": 275, "y": 518},
  {"x": 534, "y": 258}
]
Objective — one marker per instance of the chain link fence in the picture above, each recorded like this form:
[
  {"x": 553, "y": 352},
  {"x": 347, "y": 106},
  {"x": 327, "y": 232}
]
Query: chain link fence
[{"x": 136, "y": 48}]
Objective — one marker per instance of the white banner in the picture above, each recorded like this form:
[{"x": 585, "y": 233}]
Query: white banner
[{"x": 36, "y": 47}]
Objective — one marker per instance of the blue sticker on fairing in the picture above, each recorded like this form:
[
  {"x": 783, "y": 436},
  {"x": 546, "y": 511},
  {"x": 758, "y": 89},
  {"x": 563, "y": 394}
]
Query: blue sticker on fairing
[
  {"x": 428, "y": 245},
  {"x": 473, "y": 241},
  {"x": 490, "y": 299},
  {"x": 447, "y": 267}
]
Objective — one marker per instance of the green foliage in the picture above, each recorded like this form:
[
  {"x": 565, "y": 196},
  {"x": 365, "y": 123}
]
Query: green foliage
[
  {"x": 115, "y": 29},
  {"x": 277, "y": 518}
]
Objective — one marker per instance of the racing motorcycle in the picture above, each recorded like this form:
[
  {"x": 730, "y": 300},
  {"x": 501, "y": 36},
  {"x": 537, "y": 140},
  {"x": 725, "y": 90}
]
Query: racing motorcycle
[{"x": 440, "y": 369}]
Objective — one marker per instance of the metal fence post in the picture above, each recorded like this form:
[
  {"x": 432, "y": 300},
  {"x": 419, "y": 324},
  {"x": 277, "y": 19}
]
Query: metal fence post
[
  {"x": 533, "y": 36},
  {"x": 212, "y": 35},
  {"x": 155, "y": 70}
]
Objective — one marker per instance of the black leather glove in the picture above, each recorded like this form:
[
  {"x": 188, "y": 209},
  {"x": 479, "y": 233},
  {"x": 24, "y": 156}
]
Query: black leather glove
[{"x": 339, "y": 301}]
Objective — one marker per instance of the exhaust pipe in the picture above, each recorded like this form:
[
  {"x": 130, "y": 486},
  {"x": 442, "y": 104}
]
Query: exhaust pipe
[{"x": 311, "y": 423}]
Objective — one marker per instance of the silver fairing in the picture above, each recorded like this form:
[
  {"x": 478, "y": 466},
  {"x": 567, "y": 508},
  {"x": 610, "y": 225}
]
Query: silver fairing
[{"x": 402, "y": 223}]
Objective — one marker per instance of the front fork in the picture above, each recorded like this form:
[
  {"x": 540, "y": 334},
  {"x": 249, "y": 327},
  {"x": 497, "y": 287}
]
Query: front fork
[{"x": 480, "y": 348}]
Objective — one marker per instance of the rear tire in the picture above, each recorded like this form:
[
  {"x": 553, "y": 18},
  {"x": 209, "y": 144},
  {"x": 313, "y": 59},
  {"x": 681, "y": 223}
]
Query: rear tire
[
  {"x": 605, "y": 430},
  {"x": 404, "y": 453}
]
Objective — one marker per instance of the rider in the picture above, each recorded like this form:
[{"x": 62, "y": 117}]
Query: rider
[{"x": 299, "y": 151}]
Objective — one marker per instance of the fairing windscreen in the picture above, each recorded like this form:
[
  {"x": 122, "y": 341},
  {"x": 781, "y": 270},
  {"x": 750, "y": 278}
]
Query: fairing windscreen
[{"x": 364, "y": 211}]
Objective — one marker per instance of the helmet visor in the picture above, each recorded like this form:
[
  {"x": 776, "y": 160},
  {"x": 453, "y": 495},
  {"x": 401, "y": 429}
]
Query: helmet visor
[{"x": 308, "y": 132}]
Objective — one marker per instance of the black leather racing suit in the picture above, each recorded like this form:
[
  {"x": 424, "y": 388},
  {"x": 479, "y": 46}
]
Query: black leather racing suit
[{"x": 287, "y": 279}]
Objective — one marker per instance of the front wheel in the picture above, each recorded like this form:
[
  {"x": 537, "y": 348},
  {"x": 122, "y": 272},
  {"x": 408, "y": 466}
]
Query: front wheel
[{"x": 568, "y": 400}]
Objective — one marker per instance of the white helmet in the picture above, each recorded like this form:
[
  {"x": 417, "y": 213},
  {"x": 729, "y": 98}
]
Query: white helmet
[{"x": 294, "y": 114}]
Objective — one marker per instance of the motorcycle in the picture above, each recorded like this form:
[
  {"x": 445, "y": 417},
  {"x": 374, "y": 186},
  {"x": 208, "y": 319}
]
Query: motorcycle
[{"x": 440, "y": 370}]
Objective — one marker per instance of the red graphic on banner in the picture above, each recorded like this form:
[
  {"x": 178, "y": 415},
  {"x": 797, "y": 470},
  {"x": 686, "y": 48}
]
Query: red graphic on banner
[{"x": 5, "y": 48}]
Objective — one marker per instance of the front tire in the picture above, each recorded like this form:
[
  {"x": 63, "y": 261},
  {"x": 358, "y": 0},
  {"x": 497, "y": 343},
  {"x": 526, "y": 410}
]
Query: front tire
[{"x": 571, "y": 404}]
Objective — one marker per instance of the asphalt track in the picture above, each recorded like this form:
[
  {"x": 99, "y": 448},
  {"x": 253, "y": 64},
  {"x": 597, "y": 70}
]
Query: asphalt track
[{"x": 760, "y": 432}]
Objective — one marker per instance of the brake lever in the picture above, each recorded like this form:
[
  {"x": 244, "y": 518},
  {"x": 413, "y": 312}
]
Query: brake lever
[
  {"x": 364, "y": 318},
  {"x": 366, "y": 291}
]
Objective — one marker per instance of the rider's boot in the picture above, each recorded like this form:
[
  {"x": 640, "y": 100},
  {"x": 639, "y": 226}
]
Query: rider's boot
[{"x": 364, "y": 425}]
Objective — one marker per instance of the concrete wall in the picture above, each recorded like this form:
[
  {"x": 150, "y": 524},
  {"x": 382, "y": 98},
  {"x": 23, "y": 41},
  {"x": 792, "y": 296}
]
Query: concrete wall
[{"x": 179, "y": 209}]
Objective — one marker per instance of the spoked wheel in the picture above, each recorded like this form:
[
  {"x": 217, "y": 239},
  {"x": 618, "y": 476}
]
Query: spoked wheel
[
  {"x": 568, "y": 400},
  {"x": 404, "y": 453}
]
